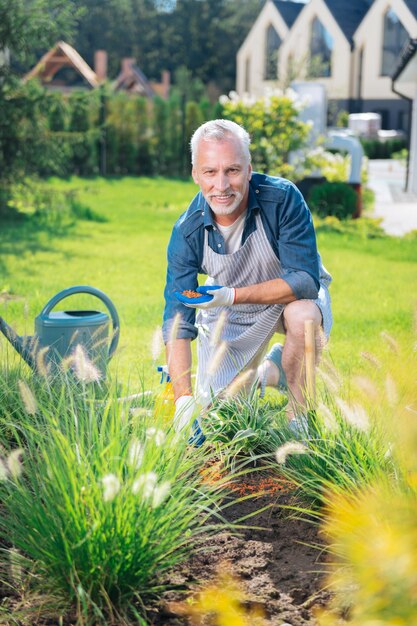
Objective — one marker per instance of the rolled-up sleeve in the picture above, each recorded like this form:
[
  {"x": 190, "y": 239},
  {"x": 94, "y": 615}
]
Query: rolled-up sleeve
[
  {"x": 297, "y": 246},
  {"x": 182, "y": 274}
]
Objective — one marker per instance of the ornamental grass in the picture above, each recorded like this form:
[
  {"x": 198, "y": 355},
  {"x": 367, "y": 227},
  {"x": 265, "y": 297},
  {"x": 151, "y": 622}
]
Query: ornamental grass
[{"x": 99, "y": 502}]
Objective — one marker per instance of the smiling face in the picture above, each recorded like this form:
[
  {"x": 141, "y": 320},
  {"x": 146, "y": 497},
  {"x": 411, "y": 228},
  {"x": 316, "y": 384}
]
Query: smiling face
[{"x": 223, "y": 171}]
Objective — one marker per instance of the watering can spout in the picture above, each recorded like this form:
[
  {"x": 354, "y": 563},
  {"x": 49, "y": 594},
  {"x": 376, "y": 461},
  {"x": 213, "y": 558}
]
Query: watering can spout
[{"x": 22, "y": 345}]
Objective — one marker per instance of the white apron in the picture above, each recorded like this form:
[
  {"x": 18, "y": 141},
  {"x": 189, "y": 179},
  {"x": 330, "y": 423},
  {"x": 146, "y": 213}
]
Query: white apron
[{"x": 249, "y": 327}]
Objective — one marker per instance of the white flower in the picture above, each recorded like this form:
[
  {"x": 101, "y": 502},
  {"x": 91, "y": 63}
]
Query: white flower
[
  {"x": 239, "y": 383},
  {"x": 111, "y": 486},
  {"x": 27, "y": 397},
  {"x": 391, "y": 390},
  {"x": 223, "y": 99},
  {"x": 217, "y": 359},
  {"x": 291, "y": 447},
  {"x": 135, "y": 456},
  {"x": 83, "y": 367},
  {"x": 174, "y": 328},
  {"x": 390, "y": 341},
  {"x": 157, "y": 343},
  {"x": 160, "y": 494},
  {"x": 367, "y": 386},
  {"x": 16, "y": 570},
  {"x": 14, "y": 463},
  {"x": 146, "y": 484},
  {"x": 372, "y": 359},
  {"x": 156, "y": 434},
  {"x": 248, "y": 100},
  {"x": 355, "y": 415},
  {"x": 328, "y": 418},
  {"x": 331, "y": 381},
  {"x": 4, "y": 473},
  {"x": 218, "y": 329},
  {"x": 41, "y": 366}
]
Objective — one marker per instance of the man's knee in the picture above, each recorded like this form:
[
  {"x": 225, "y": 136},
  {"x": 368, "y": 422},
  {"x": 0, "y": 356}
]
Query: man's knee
[{"x": 297, "y": 312}]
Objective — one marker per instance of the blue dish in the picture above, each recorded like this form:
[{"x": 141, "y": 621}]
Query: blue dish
[
  {"x": 205, "y": 297},
  {"x": 186, "y": 300}
]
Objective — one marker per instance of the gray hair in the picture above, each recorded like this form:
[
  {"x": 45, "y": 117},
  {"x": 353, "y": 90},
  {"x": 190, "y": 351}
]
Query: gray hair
[{"x": 219, "y": 130}]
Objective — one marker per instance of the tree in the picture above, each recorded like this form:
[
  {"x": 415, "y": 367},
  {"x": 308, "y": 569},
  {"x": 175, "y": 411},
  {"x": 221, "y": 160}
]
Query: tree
[
  {"x": 274, "y": 128},
  {"x": 25, "y": 27},
  {"x": 200, "y": 35}
]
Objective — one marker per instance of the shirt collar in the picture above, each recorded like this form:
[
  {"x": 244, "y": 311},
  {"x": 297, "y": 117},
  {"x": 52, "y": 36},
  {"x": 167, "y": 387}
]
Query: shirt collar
[{"x": 208, "y": 215}]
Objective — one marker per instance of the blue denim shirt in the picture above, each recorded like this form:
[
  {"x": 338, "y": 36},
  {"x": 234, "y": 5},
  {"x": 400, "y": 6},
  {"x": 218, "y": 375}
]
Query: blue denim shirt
[{"x": 288, "y": 225}]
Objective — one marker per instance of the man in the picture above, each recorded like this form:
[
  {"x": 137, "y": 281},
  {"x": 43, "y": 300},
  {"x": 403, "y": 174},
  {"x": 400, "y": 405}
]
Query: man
[{"x": 253, "y": 236}]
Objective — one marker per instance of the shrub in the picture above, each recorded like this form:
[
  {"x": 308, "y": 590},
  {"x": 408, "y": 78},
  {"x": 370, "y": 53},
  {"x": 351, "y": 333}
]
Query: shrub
[
  {"x": 98, "y": 502},
  {"x": 372, "y": 531},
  {"x": 346, "y": 451},
  {"x": 275, "y": 129},
  {"x": 49, "y": 207},
  {"x": 245, "y": 426},
  {"x": 377, "y": 149},
  {"x": 332, "y": 198},
  {"x": 401, "y": 155},
  {"x": 366, "y": 227}
]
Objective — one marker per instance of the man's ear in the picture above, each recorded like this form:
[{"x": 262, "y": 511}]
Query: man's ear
[
  {"x": 194, "y": 175},
  {"x": 249, "y": 171}
]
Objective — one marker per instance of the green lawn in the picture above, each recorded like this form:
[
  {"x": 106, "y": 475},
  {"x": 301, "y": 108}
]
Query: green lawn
[{"x": 374, "y": 286}]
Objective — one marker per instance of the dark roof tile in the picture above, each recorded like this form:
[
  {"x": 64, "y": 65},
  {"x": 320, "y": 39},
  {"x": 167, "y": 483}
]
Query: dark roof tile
[
  {"x": 288, "y": 10},
  {"x": 412, "y": 5},
  {"x": 349, "y": 14}
]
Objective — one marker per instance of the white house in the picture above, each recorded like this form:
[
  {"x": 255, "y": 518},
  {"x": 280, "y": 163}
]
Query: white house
[
  {"x": 378, "y": 42},
  {"x": 320, "y": 43},
  {"x": 405, "y": 81},
  {"x": 350, "y": 46},
  {"x": 257, "y": 58}
]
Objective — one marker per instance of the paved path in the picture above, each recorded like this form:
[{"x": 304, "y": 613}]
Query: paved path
[{"x": 397, "y": 208}]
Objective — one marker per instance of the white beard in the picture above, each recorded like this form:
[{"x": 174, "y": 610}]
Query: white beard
[{"x": 225, "y": 210}]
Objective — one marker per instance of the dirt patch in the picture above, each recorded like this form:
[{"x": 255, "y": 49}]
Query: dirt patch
[{"x": 280, "y": 567}]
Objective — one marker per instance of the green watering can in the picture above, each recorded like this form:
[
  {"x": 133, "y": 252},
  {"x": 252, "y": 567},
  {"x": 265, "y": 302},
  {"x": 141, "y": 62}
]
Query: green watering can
[{"x": 58, "y": 333}]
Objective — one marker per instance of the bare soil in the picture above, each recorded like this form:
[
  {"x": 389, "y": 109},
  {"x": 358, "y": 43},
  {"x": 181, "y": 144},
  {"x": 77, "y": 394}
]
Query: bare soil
[
  {"x": 278, "y": 562},
  {"x": 281, "y": 567}
]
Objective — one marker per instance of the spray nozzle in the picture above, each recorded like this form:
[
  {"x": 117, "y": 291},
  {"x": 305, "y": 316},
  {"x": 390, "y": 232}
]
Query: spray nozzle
[{"x": 165, "y": 377}]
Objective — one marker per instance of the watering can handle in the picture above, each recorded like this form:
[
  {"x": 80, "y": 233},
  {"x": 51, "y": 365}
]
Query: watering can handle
[{"x": 94, "y": 292}]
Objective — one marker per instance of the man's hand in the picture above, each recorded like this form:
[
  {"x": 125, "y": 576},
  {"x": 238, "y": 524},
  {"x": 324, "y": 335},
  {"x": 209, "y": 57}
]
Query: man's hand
[
  {"x": 185, "y": 408},
  {"x": 222, "y": 296}
]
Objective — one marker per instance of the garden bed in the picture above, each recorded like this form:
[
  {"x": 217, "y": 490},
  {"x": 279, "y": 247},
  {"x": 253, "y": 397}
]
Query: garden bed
[{"x": 280, "y": 568}]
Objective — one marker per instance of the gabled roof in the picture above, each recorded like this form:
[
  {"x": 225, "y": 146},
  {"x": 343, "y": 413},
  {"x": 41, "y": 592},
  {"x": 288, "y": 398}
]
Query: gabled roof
[
  {"x": 407, "y": 53},
  {"x": 349, "y": 14},
  {"x": 289, "y": 11},
  {"x": 62, "y": 55},
  {"x": 132, "y": 79},
  {"x": 412, "y": 5}
]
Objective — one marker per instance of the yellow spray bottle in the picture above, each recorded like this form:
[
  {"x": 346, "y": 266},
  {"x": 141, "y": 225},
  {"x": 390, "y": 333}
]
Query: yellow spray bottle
[{"x": 164, "y": 408}]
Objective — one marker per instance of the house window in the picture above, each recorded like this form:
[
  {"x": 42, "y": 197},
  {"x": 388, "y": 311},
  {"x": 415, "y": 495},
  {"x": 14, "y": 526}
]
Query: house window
[
  {"x": 321, "y": 47},
  {"x": 403, "y": 121},
  {"x": 247, "y": 75},
  {"x": 272, "y": 44},
  {"x": 395, "y": 36},
  {"x": 385, "y": 115}
]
